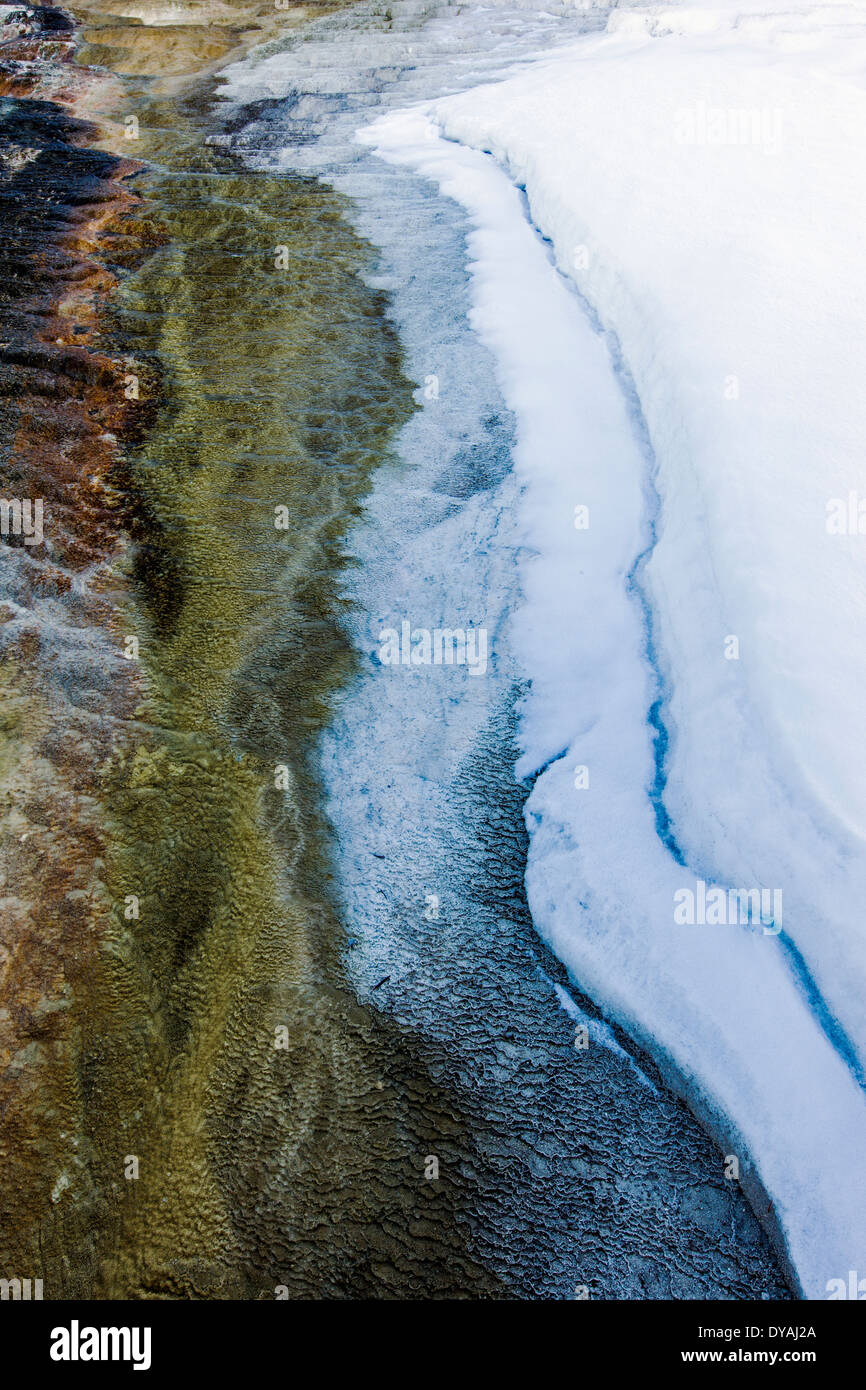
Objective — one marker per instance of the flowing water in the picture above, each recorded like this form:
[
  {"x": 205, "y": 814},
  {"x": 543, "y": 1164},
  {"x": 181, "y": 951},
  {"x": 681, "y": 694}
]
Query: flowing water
[{"x": 322, "y": 1024}]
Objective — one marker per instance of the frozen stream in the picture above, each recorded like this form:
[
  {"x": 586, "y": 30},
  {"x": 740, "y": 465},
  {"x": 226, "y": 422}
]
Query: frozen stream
[{"x": 589, "y": 1177}]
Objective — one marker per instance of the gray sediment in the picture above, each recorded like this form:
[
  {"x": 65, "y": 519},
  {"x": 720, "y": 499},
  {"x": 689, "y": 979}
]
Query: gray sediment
[
  {"x": 587, "y": 1177},
  {"x": 330, "y": 1037}
]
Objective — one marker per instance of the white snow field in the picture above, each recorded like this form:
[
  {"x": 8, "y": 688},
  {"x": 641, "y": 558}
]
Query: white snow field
[{"x": 686, "y": 358}]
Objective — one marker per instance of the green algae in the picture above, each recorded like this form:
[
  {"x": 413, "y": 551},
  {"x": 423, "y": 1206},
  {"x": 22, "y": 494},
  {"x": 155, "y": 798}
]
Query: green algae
[{"x": 222, "y": 1164}]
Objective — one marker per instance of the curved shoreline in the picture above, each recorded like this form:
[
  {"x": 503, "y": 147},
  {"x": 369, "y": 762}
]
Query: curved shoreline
[
  {"x": 168, "y": 1055},
  {"x": 434, "y": 547},
  {"x": 299, "y": 1167}
]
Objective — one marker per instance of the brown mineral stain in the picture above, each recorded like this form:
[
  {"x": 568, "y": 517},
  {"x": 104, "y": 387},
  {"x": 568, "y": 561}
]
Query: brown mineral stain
[{"x": 169, "y": 916}]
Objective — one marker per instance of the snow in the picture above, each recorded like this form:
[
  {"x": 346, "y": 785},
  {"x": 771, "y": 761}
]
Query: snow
[{"x": 697, "y": 172}]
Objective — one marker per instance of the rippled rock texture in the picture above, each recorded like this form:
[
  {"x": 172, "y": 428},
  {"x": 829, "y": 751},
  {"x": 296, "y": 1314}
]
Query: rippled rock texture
[
  {"x": 200, "y": 384},
  {"x": 195, "y": 1107},
  {"x": 66, "y": 687}
]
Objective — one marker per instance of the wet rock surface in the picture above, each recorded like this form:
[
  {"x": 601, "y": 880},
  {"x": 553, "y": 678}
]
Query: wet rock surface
[
  {"x": 177, "y": 931},
  {"x": 67, "y": 692}
]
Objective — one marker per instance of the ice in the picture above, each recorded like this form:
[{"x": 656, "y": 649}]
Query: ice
[{"x": 696, "y": 172}]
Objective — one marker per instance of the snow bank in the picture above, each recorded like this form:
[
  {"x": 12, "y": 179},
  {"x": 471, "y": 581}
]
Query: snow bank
[{"x": 698, "y": 650}]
